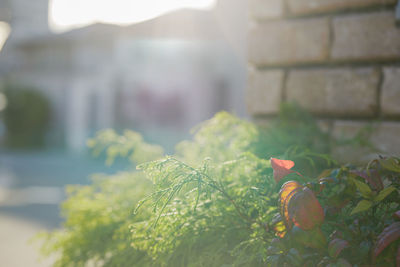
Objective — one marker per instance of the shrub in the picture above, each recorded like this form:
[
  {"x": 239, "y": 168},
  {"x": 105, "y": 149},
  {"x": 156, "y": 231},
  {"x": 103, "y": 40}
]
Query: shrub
[
  {"x": 26, "y": 117},
  {"x": 216, "y": 202}
]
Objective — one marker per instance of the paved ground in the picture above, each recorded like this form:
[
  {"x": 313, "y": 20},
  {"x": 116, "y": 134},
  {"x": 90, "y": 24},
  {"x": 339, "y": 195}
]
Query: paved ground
[
  {"x": 31, "y": 189},
  {"x": 16, "y": 250}
]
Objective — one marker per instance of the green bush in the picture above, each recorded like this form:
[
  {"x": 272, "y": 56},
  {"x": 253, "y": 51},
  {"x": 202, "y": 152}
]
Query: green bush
[
  {"x": 216, "y": 202},
  {"x": 26, "y": 117}
]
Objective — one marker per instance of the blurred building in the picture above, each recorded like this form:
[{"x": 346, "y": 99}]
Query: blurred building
[{"x": 164, "y": 74}]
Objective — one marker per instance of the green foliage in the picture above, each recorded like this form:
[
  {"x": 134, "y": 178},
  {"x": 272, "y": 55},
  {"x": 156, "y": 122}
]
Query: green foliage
[
  {"x": 26, "y": 117},
  {"x": 360, "y": 224},
  {"x": 128, "y": 145},
  {"x": 97, "y": 227},
  {"x": 210, "y": 204}
]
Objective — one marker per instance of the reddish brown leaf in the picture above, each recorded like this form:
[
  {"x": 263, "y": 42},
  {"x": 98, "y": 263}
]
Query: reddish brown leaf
[
  {"x": 373, "y": 179},
  {"x": 398, "y": 257},
  {"x": 336, "y": 246},
  {"x": 281, "y": 168},
  {"x": 305, "y": 210},
  {"x": 388, "y": 235}
]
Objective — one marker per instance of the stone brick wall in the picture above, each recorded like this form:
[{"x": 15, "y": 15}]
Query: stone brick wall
[{"x": 340, "y": 59}]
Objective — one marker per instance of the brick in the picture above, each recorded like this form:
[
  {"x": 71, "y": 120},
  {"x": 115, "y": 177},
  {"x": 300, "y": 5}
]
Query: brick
[
  {"x": 262, "y": 9},
  {"x": 325, "y": 125},
  {"x": 303, "y": 7},
  {"x": 386, "y": 138},
  {"x": 390, "y": 98},
  {"x": 344, "y": 130},
  {"x": 341, "y": 92},
  {"x": 371, "y": 36},
  {"x": 264, "y": 92},
  {"x": 345, "y": 152},
  {"x": 289, "y": 42},
  {"x": 382, "y": 137}
]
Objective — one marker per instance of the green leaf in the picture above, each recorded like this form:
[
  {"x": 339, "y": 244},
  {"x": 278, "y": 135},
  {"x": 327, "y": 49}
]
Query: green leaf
[
  {"x": 384, "y": 193},
  {"x": 362, "y": 206},
  {"x": 363, "y": 188},
  {"x": 390, "y": 164}
]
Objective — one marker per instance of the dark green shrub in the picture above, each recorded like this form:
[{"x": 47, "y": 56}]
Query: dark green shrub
[{"x": 26, "y": 117}]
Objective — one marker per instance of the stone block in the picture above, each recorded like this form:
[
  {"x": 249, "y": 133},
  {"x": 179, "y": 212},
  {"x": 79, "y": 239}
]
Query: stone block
[
  {"x": 390, "y": 98},
  {"x": 289, "y": 42},
  {"x": 340, "y": 91},
  {"x": 347, "y": 149},
  {"x": 264, "y": 91},
  {"x": 262, "y": 9},
  {"x": 372, "y": 36},
  {"x": 303, "y": 7},
  {"x": 382, "y": 137},
  {"x": 386, "y": 138}
]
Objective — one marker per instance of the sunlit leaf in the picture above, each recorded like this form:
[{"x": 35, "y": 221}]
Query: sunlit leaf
[
  {"x": 361, "y": 206},
  {"x": 281, "y": 168},
  {"x": 278, "y": 224},
  {"x": 336, "y": 246},
  {"x": 390, "y": 164},
  {"x": 280, "y": 229},
  {"x": 384, "y": 193},
  {"x": 325, "y": 173},
  {"x": 388, "y": 235},
  {"x": 285, "y": 194},
  {"x": 363, "y": 188}
]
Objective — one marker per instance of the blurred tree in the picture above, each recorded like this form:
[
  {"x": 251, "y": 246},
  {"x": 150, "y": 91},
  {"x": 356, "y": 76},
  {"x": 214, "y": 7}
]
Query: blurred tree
[{"x": 26, "y": 117}]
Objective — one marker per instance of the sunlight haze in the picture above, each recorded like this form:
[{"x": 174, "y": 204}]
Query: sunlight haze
[{"x": 67, "y": 14}]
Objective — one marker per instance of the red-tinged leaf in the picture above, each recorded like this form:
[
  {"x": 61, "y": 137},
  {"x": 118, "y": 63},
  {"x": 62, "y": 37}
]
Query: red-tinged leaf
[
  {"x": 285, "y": 194},
  {"x": 376, "y": 180},
  {"x": 396, "y": 215},
  {"x": 398, "y": 257},
  {"x": 373, "y": 178},
  {"x": 281, "y": 168},
  {"x": 305, "y": 210},
  {"x": 388, "y": 235},
  {"x": 336, "y": 246}
]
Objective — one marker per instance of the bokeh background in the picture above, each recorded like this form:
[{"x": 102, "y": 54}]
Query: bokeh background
[{"x": 71, "y": 68}]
